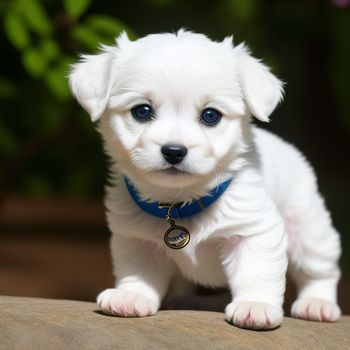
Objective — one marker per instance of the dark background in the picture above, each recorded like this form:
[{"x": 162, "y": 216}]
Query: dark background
[{"x": 53, "y": 238}]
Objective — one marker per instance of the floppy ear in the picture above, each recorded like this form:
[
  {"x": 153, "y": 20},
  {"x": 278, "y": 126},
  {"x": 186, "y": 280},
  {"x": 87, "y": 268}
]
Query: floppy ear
[
  {"x": 90, "y": 81},
  {"x": 92, "y": 78},
  {"x": 262, "y": 91}
]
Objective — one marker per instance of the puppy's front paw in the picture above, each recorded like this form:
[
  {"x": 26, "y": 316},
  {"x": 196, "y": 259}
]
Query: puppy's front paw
[
  {"x": 253, "y": 315},
  {"x": 118, "y": 302},
  {"x": 315, "y": 310}
]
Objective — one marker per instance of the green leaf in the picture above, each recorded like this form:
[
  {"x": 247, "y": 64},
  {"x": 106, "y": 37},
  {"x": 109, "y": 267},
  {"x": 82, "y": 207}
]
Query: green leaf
[
  {"x": 104, "y": 24},
  {"x": 35, "y": 16},
  {"x": 76, "y": 7},
  {"x": 36, "y": 59},
  {"x": 56, "y": 79},
  {"x": 108, "y": 26},
  {"x": 87, "y": 38},
  {"x": 34, "y": 62},
  {"x": 16, "y": 31},
  {"x": 49, "y": 49}
]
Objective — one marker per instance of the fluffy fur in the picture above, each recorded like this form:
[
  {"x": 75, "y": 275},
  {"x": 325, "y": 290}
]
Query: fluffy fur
[{"x": 241, "y": 241}]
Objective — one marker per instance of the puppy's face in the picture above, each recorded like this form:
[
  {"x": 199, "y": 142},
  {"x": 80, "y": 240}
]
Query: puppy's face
[{"x": 175, "y": 108}]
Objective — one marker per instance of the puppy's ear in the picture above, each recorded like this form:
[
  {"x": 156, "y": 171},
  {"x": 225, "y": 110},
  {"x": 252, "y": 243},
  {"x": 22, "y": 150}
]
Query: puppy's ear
[
  {"x": 92, "y": 78},
  {"x": 262, "y": 91}
]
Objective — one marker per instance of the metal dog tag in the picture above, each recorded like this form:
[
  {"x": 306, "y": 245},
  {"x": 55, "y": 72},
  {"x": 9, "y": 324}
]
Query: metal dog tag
[{"x": 176, "y": 237}]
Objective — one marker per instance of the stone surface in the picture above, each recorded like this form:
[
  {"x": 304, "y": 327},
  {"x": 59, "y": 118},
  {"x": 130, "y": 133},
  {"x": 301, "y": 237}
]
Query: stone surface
[{"x": 29, "y": 323}]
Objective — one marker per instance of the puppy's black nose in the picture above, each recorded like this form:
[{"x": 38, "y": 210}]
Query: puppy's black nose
[{"x": 174, "y": 153}]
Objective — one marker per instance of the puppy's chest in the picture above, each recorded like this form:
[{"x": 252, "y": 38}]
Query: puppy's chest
[{"x": 200, "y": 263}]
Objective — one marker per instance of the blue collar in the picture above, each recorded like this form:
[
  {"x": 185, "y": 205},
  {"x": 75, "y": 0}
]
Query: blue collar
[{"x": 182, "y": 211}]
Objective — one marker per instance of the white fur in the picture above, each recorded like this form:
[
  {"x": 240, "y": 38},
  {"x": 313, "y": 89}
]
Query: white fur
[{"x": 240, "y": 241}]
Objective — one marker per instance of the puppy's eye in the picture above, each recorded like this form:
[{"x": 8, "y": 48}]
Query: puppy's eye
[
  {"x": 210, "y": 116},
  {"x": 142, "y": 112}
]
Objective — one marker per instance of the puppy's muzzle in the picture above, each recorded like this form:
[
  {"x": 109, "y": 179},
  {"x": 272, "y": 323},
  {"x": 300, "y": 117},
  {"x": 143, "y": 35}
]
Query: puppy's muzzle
[{"x": 174, "y": 153}]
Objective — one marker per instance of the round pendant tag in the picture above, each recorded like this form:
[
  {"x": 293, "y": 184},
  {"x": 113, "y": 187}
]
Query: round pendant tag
[{"x": 176, "y": 237}]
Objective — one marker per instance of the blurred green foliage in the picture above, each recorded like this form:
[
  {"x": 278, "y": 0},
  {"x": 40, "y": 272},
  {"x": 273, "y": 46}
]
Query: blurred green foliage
[
  {"x": 45, "y": 55},
  {"x": 42, "y": 38}
]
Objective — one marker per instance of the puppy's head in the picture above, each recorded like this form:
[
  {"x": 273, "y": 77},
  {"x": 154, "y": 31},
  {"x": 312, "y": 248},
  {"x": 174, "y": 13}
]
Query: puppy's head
[{"x": 174, "y": 109}]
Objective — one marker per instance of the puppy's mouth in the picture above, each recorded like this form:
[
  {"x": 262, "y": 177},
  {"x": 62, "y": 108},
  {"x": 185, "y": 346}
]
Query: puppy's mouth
[
  {"x": 173, "y": 171},
  {"x": 172, "y": 177}
]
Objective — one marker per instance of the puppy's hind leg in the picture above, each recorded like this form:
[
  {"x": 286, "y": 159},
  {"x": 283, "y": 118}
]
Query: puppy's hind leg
[{"x": 314, "y": 250}]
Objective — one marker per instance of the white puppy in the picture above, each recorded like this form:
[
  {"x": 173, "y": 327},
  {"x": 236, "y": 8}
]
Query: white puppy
[{"x": 175, "y": 114}]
